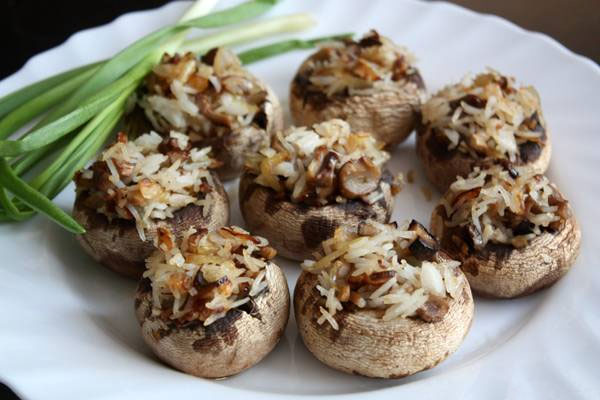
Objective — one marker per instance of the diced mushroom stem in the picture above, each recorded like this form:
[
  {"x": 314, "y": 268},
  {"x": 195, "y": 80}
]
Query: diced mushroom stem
[
  {"x": 379, "y": 278},
  {"x": 464, "y": 197},
  {"x": 358, "y": 178},
  {"x": 326, "y": 175},
  {"x": 365, "y": 71},
  {"x": 165, "y": 239},
  {"x": 475, "y": 235},
  {"x": 434, "y": 309},
  {"x": 424, "y": 246},
  {"x": 367, "y": 229}
]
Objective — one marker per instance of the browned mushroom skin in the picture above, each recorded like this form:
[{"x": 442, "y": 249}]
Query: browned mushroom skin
[
  {"x": 442, "y": 166},
  {"x": 116, "y": 244},
  {"x": 229, "y": 345},
  {"x": 502, "y": 271},
  {"x": 297, "y": 230},
  {"x": 389, "y": 115},
  {"x": 368, "y": 346}
]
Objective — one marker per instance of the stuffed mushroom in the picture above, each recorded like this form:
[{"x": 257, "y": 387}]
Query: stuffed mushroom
[
  {"x": 138, "y": 186},
  {"x": 371, "y": 83},
  {"x": 311, "y": 181},
  {"x": 512, "y": 230},
  {"x": 215, "y": 101},
  {"x": 481, "y": 120},
  {"x": 384, "y": 302},
  {"x": 212, "y": 304}
]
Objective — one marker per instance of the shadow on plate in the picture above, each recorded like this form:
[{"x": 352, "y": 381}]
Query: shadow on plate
[{"x": 108, "y": 296}]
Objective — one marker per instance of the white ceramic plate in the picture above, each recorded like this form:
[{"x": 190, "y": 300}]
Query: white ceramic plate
[{"x": 67, "y": 328}]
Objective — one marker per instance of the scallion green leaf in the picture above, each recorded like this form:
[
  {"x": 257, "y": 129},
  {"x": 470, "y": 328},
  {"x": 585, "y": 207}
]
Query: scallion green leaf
[
  {"x": 57, "y": 129},
  {"x": 95, "y": 130},
  {"x": 80, "y": 157},
  {"x": 35, "y": 199},
  {"x": 23, "y": 95},
  {"x": 131, "y": 56},
  {"x": 37, "y": 105},
  {"x": 270, "y": 50},
  {"x": 12, "y": 212},
  {"x": 249, "y": 32}
]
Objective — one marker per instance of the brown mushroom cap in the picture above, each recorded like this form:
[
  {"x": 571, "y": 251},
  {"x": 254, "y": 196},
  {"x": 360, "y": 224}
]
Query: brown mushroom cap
[
  {"x": 297, "y": 230},
  {"x": 503, "y": 271},
  {"x": 442, "y": 166},
  {"x": 367, "y": 345},
  {"x": 390, "y": 115},
  {"x": 227, "y": 346},
  {"x": 117, "y": 245}
]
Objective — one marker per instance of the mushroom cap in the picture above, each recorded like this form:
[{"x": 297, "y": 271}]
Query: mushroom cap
[
  {"x": 389, "y": 115},
  {"x": 117, "y": 244},
  {"x": 297, "y": 230},
  {"x": 503, "y": 271},
  {"x": 442, "y": 166},
  {"x": 227, "y": 346},
  {"x": 369, "y": 346}
]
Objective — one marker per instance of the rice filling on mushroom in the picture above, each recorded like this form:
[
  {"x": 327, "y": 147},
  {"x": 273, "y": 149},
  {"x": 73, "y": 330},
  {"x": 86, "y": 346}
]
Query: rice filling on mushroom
[
  {"x": 504, "y": 206},
  {"x": 327, "y": 164},
  {"x": 349, "y": 68},
  {"x": 487, "y": 116},
  {"x": 215, "y": 101},
  {"x": 147, "y": 179},
  {"x": 206, "y": 274},
  {"x": 210, "y": 96},
  {"x": 379, "y": 268}
]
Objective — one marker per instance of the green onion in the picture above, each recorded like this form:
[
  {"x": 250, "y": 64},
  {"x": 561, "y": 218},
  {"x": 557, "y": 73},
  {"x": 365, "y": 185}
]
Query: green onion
[
  {"x": 83, "y": 134},
  {"x": 249, "y": 32},
  {"x": 35, "y": 199},
  {"x": 138, "y": 51},
  {"x": 57, "y": 129},
  {"x": 64, "y": 175},
  {"x": 31, "y": 109},
  {"x": 21, "y": 96},
  {"x": 285, "y": 46},
  {"x": 24, "y": 163},
  {"x": 84, "y": 105},
  {"x": 11, "y": 209},
  {"x": 134, "y": 59}
]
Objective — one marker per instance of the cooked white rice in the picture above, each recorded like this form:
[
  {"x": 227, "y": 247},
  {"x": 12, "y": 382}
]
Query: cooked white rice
[
  {"x": 500, "y": 205},
  {"x": 306, "y": 163},
  {"x": 205, "y": 275},
  {"x": 378, "y": 271},
  {"x": 486, "y": 116},
  {"x": 373, "y": 63},
  {"x": 133, "y": 179},
  {"x": 203, "y": 99}
]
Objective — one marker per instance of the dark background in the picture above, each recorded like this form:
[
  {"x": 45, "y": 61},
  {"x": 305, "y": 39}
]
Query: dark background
[{"x": 28, "y": 27}]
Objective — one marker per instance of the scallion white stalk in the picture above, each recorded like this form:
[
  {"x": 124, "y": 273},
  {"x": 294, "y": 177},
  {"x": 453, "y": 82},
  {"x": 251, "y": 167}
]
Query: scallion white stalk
[{"x": 249, "y": 32}]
